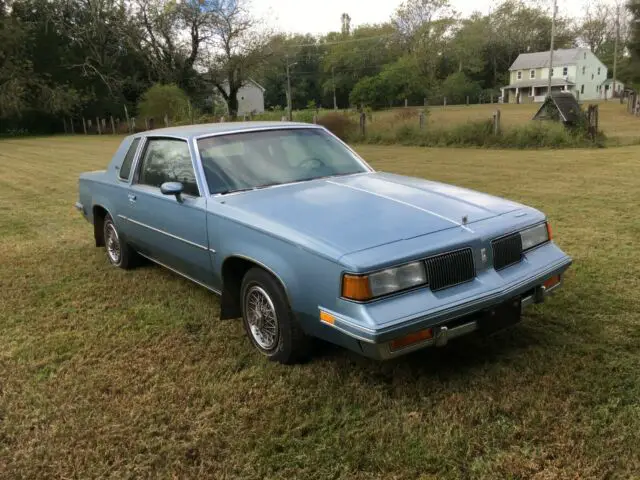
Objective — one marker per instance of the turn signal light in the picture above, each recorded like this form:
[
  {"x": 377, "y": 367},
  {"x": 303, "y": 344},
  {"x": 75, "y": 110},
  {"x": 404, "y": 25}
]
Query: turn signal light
[
  {"x": 356, "y": 287},
  {"x": 410, "y": 339},
  {"x": 327, "y": 318}
]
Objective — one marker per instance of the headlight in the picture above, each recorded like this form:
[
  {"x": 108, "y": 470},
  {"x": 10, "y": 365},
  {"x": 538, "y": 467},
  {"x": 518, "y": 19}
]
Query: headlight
[
  {"x": 384, "y": 282},
  {"x": 534, "y": 236}
]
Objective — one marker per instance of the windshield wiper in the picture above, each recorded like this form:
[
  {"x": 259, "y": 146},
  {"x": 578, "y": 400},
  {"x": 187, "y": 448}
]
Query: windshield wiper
[{"x": 225, "y": 192}]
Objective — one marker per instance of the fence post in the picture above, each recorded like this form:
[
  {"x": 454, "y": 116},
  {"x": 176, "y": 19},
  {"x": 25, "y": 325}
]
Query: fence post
[
  {"x": 315, "y": 119},
  {"x": 113, "y": 126},
  {"x": 496, "y": 122},
  {"x": 73, "y": 131},
  {"x": 421, "y": 119},
  {"x": 283, "y": 119},
  {"x": 146, "y": 123},
  {"x": 104, "y": 125},
  {"x": 166, "y": 120},
  {"x": 126, "y": 115},
  {"x": 467, "y": 100},
  {"x": 363, "y": 124},
  {"x": 133, "y": 125},
  {"x": 445, "y": 101},
  {"x": 84, "y": 125},
  {"x": 64, "y": 123},
  {"x": 406, "y": 103},
  {"x": 98, "y": 125}
]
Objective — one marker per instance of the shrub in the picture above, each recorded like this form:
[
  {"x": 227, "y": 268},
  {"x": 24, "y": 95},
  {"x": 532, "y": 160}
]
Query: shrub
[
  {"x": 161, "y": 100},
  {"x": 339, "y": 124}
]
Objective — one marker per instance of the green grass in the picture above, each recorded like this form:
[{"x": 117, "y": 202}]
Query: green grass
[{"x": 113, "y": 374}]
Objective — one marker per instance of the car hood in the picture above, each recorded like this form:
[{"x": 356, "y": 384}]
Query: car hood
[{"x": 356, "y": 212}]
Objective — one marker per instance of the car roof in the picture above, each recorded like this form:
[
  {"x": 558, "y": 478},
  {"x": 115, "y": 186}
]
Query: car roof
[{"x": 191, "y": 131}]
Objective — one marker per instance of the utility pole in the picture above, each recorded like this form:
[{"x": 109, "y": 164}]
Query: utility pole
[
  {"x": 615, "y": 50},
  {"x": 289, "y": 113},
  {"x": 553, "y": 33},
  {"x": 333, "y": 80}
]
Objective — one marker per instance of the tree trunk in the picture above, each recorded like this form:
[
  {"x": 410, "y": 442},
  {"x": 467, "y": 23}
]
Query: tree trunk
[{"x": 232, "y": 104}]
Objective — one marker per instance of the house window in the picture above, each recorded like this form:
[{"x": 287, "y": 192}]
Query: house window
[
  {"x": 592, "y": 76},
  {"x": 552, "y": 72},
  {"x": 598, "y": 70},
  {"x": 582, "y": 89},
  {"x": 519, "y": 75},
  {"x": 565, "y": 71},
  {"x": 532, "y": 74},
  {"x": 584, "y": 69},
  {"x": 585, "y": 55}
]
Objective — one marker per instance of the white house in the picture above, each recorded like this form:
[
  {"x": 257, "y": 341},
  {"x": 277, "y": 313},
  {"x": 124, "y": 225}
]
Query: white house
[
  {"x": 607, "y": 88},
  {"x": 576, "y": 70},
  {"x": 250, "y": 97}
]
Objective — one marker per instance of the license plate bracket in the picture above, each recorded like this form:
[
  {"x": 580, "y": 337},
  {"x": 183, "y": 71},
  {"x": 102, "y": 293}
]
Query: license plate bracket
[{"x": 501, "y": 316}]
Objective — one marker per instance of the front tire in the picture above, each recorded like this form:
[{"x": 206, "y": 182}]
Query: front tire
[
  {"x": 268, "y": 320},
  {"x": 119, "y": 252}
]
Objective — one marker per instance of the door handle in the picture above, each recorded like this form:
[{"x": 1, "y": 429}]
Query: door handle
[{"x": 132, "y": 197}]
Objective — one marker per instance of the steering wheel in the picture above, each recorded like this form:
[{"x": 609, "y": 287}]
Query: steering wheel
[{"x": 312, "y": 163}]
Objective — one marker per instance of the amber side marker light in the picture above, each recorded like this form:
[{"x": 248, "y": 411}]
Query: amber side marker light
[
  {"x": 327, "y": 318},
  {"x": 410, "y": 339},
  {"x": 550, "y": 282},
  {"x": 356, "y": 287},
  {"x": 549, "y": 233}
]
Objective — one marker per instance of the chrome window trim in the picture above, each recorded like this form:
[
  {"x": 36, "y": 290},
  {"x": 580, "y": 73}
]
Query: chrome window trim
[
  {"x": 197, "y": 138},
  {"x": 189, "y": 242},
  {"x": 217, "y": 292}
]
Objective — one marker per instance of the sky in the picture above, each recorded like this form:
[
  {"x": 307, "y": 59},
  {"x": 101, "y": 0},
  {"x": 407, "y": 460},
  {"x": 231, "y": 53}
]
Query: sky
[{"x": 321, "y": 16}]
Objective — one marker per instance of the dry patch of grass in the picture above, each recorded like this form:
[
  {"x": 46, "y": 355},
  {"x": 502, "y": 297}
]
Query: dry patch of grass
[
  {"x": 105, "y": 373},
  {"x": 614, "y": 119}
]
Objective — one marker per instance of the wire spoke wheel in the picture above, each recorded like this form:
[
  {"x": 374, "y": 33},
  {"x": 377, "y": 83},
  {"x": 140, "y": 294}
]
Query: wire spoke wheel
[
  {"x": 112, "y": 242},
  {"x": 261, "y": 317}
]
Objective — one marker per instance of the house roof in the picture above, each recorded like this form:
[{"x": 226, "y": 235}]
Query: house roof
[
  {"x": 249, "y": 80},
  {"x": 563, "y": 56},
  {"x": 609, "y": 81},
  {"x": 540, "y": 82},
  {"x": 564, "y": 103}
]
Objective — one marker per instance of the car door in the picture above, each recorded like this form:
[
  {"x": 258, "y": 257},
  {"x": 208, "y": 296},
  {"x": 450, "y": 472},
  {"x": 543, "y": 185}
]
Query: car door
[{"x": 169, "y": 229}]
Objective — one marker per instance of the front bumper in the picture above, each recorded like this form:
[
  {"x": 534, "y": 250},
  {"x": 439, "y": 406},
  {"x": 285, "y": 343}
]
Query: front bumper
[
  {"x": 449, "y": 330},
  {"x": 453, "y": 320}
]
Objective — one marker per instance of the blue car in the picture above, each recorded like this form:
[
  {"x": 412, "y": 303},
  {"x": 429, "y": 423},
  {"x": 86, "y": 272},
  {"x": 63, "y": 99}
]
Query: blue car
[{"x": 302, "y": 239}]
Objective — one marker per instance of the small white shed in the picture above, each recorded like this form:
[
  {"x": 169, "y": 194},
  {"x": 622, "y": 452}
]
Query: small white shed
[{"x": 250, "y": 97}]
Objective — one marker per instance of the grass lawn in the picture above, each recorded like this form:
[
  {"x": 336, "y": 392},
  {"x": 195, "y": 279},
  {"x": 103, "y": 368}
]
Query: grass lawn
[{"x": 113, "y": 374}]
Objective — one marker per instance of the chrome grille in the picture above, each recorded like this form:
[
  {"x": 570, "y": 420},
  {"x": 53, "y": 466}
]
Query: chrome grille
[
  {"x": 507, "y": 251},
  {"x": 450, "y": 269}
]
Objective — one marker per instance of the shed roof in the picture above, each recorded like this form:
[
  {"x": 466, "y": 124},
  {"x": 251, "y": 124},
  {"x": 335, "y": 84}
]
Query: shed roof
[
  {"x": 564, "y": 104},
  {"x": 563, "y": 56}
]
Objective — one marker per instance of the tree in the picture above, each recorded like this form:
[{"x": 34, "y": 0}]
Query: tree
[
  {"x": 240, "y": 48},
  {"x": 597, "y": 26}
]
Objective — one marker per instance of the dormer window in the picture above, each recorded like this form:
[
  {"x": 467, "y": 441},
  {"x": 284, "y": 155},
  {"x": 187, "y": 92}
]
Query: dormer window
[
  {"x": 532, "y": 74},
  {"x": 519, "y": 75},
  {"x": 565, "y": 71}
]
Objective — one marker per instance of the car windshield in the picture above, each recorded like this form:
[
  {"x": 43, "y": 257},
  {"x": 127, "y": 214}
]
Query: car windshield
[{"x": 245, "y": 161}]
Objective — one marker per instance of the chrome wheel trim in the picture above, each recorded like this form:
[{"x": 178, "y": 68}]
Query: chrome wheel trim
[
  {"x": 112, "y": 242},
  {"x": 261, "y": 318}
]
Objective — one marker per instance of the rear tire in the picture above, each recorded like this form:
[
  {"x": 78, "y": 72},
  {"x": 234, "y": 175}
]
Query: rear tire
[
  {"x": 119, "y": 253},
  {"x": 269, "y": 321}
]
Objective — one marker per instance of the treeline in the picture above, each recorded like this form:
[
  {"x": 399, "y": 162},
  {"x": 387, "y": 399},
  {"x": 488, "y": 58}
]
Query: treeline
[{"x": 92, "y": 57}]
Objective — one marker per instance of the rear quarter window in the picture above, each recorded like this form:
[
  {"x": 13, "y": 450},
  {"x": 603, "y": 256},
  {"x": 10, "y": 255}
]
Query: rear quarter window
[{"x": 125, "y": 169}]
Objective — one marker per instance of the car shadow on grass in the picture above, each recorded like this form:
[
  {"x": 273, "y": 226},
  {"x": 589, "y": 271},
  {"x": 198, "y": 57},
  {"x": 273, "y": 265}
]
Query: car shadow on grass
[{"x": 460, "y": 357}]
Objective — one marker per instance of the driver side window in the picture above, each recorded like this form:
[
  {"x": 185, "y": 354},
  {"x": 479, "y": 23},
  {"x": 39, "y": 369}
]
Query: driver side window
[{"x": 168, "y": 160}]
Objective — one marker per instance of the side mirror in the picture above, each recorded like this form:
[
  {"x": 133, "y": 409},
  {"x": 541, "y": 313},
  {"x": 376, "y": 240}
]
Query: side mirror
[{"x": 172, "y": 188}]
